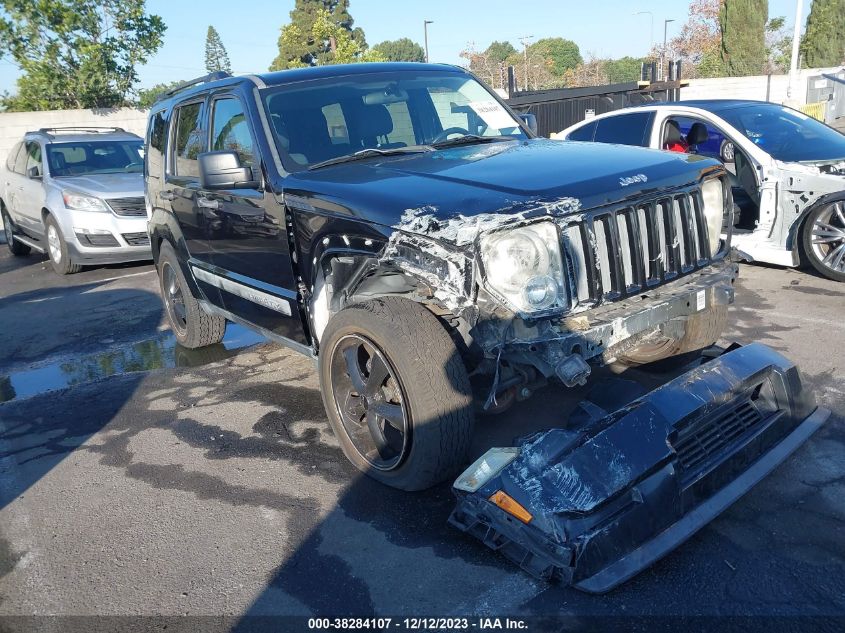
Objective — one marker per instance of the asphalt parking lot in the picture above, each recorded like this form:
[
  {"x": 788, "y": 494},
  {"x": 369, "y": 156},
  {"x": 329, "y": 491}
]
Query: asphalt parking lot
[{"x": 140, "y": 479}]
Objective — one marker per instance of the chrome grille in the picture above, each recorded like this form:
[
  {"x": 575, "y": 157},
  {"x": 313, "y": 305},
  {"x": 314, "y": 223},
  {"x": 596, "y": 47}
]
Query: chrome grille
[
  {"x": 131, "y": 207},
  {"x": 614, "y": 253}
]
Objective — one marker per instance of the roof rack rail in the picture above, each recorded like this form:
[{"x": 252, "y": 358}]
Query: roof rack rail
[
  {"x": 94, "y": 129},
  {"x": 215, "y": 76}
]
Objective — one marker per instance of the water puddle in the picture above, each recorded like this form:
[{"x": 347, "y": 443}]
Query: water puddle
[{"x": 161, "y": 352}]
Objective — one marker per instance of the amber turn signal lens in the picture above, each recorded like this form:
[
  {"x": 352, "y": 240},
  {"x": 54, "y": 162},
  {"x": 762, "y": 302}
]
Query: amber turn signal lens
[{"x": 510, "y": 505}]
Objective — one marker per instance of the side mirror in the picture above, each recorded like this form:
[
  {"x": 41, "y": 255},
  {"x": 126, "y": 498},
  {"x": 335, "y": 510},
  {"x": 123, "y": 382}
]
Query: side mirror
[
  {"x": 726, "y": 151},
  {"x": 223, "y": 170},
  {"x": 33, "y": 172},
  {"x": 530, "y": 122}
]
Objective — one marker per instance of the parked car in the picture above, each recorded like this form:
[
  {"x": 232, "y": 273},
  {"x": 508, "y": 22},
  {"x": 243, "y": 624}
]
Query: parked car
[
  {"x": 787, "y": 171},
  {"x": 402, "y": 226},
  {"x": 76, "y": 194}
]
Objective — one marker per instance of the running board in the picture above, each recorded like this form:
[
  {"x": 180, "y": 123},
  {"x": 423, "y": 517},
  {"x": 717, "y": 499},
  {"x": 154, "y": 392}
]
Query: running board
[{"x": 29, "y": 242}]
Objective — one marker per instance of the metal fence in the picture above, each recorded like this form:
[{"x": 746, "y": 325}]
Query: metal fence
[
  {"x": 560, "y": 108},
  {"x": 828, "y": 90}
]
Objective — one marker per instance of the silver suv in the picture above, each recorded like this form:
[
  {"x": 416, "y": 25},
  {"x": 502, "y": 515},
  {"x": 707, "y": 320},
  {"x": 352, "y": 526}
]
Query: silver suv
[{"x": 76, "y": 194}]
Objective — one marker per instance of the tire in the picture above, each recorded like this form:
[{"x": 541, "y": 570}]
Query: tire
[
  {"x": 192, "y": 326},
  {"x": 57, "y": 249},
  {"x": 425, "y": 376},
  {"x": 18, "y": 249},
  {"x": 699, "y": 331},
  {"x": 827, "y": 254}
]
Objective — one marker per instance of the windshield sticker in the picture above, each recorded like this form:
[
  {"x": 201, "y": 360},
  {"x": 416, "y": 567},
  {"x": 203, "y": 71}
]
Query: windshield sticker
[{"x": 493, "y": 114}]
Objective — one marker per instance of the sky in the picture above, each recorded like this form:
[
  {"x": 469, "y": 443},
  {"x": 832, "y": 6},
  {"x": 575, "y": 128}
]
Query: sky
[{"x": 605, "y": 28}]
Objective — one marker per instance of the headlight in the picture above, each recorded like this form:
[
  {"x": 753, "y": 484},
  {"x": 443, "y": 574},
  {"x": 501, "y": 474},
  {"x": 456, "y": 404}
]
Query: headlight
[
  {"x": 524, "y": 267},
  {"x": 485, "y": 468},
  {"x": 712, "y": 192},
  {"x": 79, "y": 202}
]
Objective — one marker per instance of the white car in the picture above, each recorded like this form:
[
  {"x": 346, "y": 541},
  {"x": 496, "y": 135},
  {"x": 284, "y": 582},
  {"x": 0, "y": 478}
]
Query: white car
[
  {"x": 76, "y": 194},
  {"x": 788, "y": 171}
]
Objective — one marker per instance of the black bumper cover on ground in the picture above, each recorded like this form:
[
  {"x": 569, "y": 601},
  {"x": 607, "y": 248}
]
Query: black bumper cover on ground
[{"x": 610, "y": 499}]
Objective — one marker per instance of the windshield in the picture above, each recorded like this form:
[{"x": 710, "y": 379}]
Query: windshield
[
  {"x": 786, "y": 134},
  {"x": 318, "y": 121},
  {"x": 83, "y": 158}
]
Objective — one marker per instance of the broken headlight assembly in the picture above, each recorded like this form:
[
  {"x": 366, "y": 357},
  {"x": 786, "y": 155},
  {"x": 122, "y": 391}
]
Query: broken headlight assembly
[
  {"x": 713, "y": 194},
  {"x": 523, "y": 267}
]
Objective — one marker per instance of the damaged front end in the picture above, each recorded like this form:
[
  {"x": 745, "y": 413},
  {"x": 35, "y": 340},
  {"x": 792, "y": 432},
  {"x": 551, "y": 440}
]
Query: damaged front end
[{"x": 593, "y": 506}]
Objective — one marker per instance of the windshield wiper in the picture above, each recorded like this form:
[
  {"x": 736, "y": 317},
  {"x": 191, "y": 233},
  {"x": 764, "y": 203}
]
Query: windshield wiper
[
  {"x": 470, "y": 139},
  {"x": 370, "y": 153}
]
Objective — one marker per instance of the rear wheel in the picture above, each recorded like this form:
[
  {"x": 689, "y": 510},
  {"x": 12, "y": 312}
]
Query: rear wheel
[
  {"x": 192, "y": 326},
  {"x": 57, "y": 249},
  {"x": 823, "y": 240},
  {"x": 396, "y": 393},
  {"x": 18, "y": 249}
]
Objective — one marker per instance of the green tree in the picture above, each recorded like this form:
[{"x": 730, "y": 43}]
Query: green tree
[
  {"x": 824, "y": 40},
  {"x": 743, "y": 26},
  {"x": 76, "y": 53},
  {"x": 401, "y": 50},
  {"x": 148, "y": 96},
  {"x": 301, "y": 44},
  {"x": 557, "y": 53},
  {"x": 624, "y": 69},
  {"x": 778, "y": 46},
  {"x": 216, "y": 57},
  {"x": 498, "y": 52}
]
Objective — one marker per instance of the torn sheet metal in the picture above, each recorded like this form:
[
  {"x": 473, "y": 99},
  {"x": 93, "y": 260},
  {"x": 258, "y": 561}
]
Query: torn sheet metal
[
  {"x": 610, "y": 498},
  {"x": 462, "y": 230}
]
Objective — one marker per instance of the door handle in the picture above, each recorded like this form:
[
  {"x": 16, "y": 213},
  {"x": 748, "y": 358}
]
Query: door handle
[
  {"x": 207, "y": 203},
  {"x": 167, "y": 195}
]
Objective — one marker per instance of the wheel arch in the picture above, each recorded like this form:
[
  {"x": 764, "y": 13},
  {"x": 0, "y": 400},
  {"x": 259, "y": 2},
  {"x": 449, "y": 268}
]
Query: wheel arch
[
  {"x": 793, "y": 238},
  {"x": 346, "y": 276}
]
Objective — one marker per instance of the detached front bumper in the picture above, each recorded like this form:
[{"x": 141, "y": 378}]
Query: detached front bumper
[{"x": 607, "y": 501}]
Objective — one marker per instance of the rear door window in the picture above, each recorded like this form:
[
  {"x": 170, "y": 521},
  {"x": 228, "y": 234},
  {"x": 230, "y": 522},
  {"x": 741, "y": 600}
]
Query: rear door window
[
  {"x": 13, "y": 156},
  {"x": 20, "y": 161},
  {"x": 189, "y": 140},
  {"x": 584, "y": 133},
  {"x": 156, "y": 137},
  {"x": 625, "y": 129}
]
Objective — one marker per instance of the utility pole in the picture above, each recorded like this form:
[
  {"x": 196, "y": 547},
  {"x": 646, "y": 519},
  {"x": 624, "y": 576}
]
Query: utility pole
[
  {"x": 425, "y": 32},
  {"x": 663, "y": 52},
  {"x": 793, "y": 63},
  {"x": 651, "y": 30},
  {"x": 524, "y": 39}
]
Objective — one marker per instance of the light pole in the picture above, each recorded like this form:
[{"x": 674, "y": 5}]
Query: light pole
[
  {"x": 425, "y": 32},
  {"x": 793, "y": 62},
  {"x": 663, "y": 52},
  {"x": 651, "y": 30},
  {"x": 524, "y": 39}
]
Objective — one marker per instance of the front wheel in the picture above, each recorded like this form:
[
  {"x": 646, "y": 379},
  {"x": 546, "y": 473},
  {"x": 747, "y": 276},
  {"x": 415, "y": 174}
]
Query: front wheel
[
  {"x": 823, "y": 240},
  {"x": 396, "y": 393},
  {"x": 57, "y": 249}
]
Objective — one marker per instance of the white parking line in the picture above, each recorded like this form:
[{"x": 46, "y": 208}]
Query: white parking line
[
  {"x": 144, "y": 272},
  {"x": 839, "y": 325}
]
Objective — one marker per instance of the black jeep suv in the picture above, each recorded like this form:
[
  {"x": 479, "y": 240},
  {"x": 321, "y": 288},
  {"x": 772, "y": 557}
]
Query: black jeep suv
[{"x": 399, "y": 223}]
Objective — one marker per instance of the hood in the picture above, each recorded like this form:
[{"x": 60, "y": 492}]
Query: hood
[
  {"x": 491, "y": 184},
  {"x": 104, "y": 185}
]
